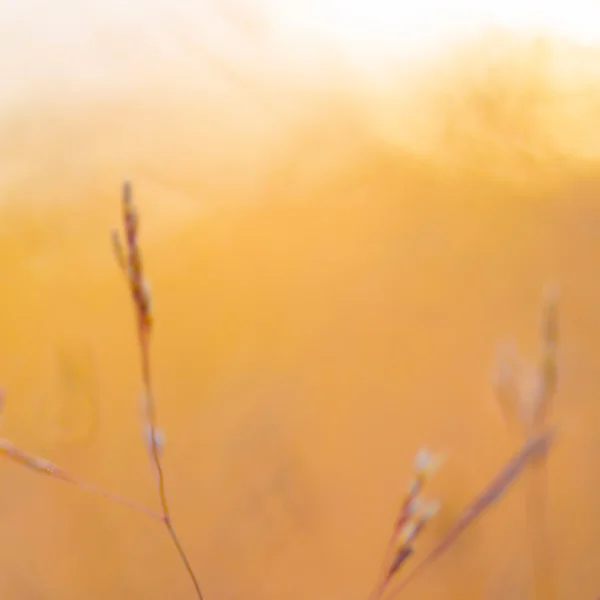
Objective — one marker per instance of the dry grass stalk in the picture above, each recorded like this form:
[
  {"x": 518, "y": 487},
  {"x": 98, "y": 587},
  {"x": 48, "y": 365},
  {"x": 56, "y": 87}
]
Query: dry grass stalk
[
  {"x": 45, "y": 467},
  {"x": 130, "y": 260},
  {"x": 414, "y": 515},
  {"x": 544, "y": 587},
  {"x": 530, "y": 404},
  {"x": 535, "y": 447}
]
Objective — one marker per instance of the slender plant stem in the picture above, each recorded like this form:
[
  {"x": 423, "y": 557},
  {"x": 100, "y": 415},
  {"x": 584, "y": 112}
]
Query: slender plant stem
[
  {"x": 384, "y": 576},
  {"x": 542, "y": 564},
  {"x": 379, "y": 589},
  {"x": 44, "y": 467},
  {"x": 155, "y": 452},
  {"x": 93, "y": 489},
  {"x": 536, "y": 498},
  {"x": 130, "y": 260}
]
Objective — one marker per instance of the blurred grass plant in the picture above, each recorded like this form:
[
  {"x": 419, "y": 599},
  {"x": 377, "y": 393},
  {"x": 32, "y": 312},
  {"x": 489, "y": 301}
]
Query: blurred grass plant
[
  {"x": 129, "y": 258},
  {"x": 528, "y": 403},
  {"x": 527, "y": 400}
]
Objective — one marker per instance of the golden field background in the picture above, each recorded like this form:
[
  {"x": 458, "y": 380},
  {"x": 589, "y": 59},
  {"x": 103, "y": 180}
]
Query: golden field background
[{"x": 332, "y": 266}]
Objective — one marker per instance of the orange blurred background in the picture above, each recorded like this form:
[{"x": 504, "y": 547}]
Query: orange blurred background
[{"x": 332, "y": 266}]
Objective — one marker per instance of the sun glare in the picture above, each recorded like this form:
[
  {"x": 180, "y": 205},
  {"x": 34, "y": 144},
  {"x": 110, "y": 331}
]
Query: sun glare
[{"x": 394, "y": 29}]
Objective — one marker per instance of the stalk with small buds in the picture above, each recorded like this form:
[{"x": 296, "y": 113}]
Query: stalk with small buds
[
  {"x": 415, "y": 513},
  {"x": 129, "y": 258},
  {"x": 533, "y": 449},
  {"x": 531, "y": 407}
]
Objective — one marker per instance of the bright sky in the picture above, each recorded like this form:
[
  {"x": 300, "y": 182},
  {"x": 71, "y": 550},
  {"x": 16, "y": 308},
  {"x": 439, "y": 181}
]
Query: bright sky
[
  {"x": 371, "y": 32},
  {"x": 356, "y": 26},
  {"x": 394, "y": 26},
  {"x": 109, "y": 40}
]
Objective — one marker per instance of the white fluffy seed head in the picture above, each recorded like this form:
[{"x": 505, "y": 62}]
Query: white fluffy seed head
[
  {"x": 422, "y": 460},
  {"x": 505, "y": 370},
  {"x": 414, "y": 506},
  {"x": 159, "y": 438},
  {"x": 431, "y": 509},
  {"x": 531, "y": 397},
  {"x": 408, "y": 532},
  {"x": 426, "y": 463}
]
